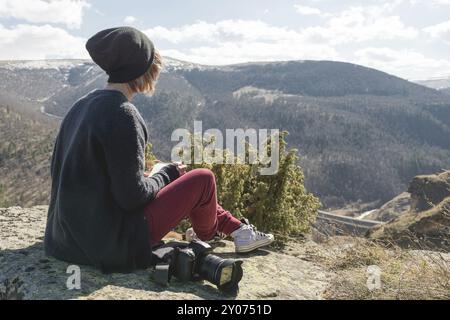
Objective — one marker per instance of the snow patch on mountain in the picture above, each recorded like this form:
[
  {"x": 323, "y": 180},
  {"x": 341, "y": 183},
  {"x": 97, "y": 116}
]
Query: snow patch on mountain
[
  {"x": 171, "y": 64},
  {"x": 41, "y": 64}
]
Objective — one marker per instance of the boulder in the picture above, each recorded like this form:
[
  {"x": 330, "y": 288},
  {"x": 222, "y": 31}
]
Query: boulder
[
  {"x": 427, "y": 230},
  {"x": 426, "y": 225},
  {"x": 428, "y": 191},
  {"x": 26, "y": 273}
]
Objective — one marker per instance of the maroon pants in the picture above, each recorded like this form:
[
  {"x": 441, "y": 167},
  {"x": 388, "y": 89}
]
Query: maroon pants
[{"x": 193, "y": 195}]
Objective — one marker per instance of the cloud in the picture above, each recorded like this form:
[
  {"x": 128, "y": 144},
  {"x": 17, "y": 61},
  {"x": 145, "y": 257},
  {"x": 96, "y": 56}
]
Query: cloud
[
  {"x": 355, "y": 24},
  {"x": 439, "y": 31},
  {"x": 226, "y": 31},
  {"x": 196, "y": 32},
  {"x": 309, "y": 11},
  {"x": 234, "y": 41},
  {"x": 441, "y": 2},
  {"x": 409, "y": 63},
  {"x": 31, "y": 42},
  {"x": 130, "y": 20},
  {"x": 232, "y": 52},
  {"x": 67, "y": 12},
  {"x": 362, "y": 23}
]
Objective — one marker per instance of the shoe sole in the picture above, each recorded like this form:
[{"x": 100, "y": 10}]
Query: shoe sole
[{"x": 255, "y": 246}]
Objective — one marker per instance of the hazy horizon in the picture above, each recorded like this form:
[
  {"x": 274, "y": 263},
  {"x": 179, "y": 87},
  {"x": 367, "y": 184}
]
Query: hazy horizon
[{"x": 232, "y": 64}]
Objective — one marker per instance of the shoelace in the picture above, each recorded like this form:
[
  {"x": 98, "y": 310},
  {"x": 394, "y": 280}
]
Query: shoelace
[
  {"x": 220, "y": 235},
  {"x": 255, "y": 230}
]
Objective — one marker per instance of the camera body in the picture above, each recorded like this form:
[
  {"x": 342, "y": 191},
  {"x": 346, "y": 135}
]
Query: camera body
[{"x": 195, "y": 262}]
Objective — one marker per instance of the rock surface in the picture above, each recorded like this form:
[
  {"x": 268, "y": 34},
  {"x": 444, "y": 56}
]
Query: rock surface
[
  {"x": 429, "y": 229},
  {"x": 393, "y": 209},
  {"x": 26, "y": 273},
  {"x": 429, "y": 191},
  {"x": 426, "y": 225}
]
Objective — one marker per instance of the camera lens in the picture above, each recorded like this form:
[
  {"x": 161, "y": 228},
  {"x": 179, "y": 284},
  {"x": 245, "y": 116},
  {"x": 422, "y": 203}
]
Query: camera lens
[{"x": 225, "y": 273}]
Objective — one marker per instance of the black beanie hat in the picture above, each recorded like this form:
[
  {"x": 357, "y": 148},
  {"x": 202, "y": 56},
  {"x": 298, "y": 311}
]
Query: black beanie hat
[{"x": 124, "y": 53}]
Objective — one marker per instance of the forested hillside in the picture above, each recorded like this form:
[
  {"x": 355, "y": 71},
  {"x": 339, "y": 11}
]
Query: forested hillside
[{"x": 25, "y": 149}]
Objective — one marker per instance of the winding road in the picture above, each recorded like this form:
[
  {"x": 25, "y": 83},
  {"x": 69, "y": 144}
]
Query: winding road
[{"x": 49, "y": 114}]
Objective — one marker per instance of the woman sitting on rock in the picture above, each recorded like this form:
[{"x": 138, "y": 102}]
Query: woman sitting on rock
[{"x": 104, "y": 210}]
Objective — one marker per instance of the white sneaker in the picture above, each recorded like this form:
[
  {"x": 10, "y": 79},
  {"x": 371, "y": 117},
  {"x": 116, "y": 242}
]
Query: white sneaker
[{"x": 247, "y": 239}]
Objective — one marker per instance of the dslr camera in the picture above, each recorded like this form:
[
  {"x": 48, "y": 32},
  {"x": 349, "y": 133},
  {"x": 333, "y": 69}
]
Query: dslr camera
[{"x": 195, "y": 261}]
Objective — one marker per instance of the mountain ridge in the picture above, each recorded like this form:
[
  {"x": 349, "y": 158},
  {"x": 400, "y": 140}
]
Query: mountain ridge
[{"x": 173, "y": 63}]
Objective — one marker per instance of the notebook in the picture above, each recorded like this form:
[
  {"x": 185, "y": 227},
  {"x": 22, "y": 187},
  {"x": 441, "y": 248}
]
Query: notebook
[{"x": 157, "y": 167}]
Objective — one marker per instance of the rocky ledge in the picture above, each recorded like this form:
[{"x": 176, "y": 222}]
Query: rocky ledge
[
  {"x": 26, "y": 273},
  {"x": 426, "y": 224}
]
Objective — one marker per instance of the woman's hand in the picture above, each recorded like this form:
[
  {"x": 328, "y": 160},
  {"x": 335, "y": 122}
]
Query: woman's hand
[
  {"x": 182, "y": 168},
  {"x": 149, "y": 169}
]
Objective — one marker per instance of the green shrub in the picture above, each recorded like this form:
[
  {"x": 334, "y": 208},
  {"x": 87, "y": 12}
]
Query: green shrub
[{"x": 279, "y": 203}]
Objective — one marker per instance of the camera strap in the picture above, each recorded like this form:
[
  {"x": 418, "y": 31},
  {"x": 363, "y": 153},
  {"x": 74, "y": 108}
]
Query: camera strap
[{"x": 162, "y": 258}]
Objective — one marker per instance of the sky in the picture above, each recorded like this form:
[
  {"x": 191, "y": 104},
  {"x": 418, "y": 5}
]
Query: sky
[{"x": 407, "y": 38}]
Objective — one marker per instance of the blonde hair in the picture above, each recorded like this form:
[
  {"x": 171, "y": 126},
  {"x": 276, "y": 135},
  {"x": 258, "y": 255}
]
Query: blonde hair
[{"x": 147, "y": 83}]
